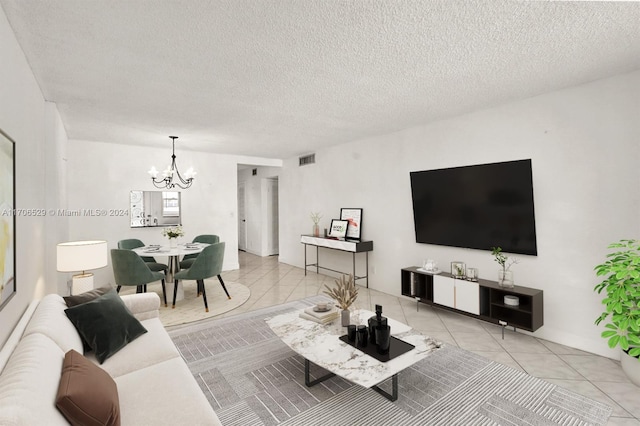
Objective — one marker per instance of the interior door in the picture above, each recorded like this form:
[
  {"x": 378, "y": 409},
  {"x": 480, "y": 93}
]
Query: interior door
[
  {"x": 272, "y": 216},
  {"x": 242, "y": 220}
]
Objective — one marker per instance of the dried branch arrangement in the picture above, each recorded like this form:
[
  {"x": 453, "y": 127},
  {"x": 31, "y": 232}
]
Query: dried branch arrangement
[{"x": 345, "y": 292}]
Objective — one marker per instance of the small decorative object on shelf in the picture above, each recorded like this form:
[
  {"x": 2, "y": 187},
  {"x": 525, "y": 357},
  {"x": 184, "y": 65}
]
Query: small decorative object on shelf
[
  {"x": 345, "y": 293},
  {"x": 315, "y": 217},
  {"x": 505, "y": 276},
  {"x": 173, "y": 233},
  {"x": 458, "y": 269},
  {"x": 472, "y": 274},
  {"x": 374, "y": 322},
  {"x": 430, "y": 265}
]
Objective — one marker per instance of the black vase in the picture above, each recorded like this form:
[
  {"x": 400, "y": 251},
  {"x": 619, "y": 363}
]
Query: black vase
[
  {"x": 383, "y": 338},
  {"x": 374, "y": 322},
  {"x": 361, "y": 339},
  {"x": 351, "y": 332}
]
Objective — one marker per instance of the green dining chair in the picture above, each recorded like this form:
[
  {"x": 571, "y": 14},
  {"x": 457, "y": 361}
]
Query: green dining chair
[
  {"x": 130, "y": 270},
  {"x": 133, "y": 243},
  {"x": 188, "y": 259},
  {"x": 208, "y": 264}
]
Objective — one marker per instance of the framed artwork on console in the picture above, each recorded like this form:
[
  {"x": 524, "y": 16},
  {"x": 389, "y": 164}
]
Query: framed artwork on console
[
  {"x": 7, "y": 219},
  {"x": 338, "y": 228},
  {"x": 354, "y": 217}
]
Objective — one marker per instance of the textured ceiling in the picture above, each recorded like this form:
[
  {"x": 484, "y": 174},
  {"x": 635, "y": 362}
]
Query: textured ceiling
[{"x": 279, "y": 78}]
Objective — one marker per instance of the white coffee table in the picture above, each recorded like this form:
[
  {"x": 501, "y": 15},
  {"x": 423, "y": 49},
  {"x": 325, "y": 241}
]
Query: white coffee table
[{"x": 320, "y": 344}]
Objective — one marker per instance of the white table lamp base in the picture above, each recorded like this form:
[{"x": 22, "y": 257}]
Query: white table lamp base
[{"x": 82, "y": 283}]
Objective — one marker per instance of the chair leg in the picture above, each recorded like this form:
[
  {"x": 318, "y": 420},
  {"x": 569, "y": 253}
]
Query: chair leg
[
  {"x": 204, "y": 295},
  {"x": 175, "y": 291},
  {"x": 138, "y": 289},
  {"x": 118, "y": 289},
  {"x": 164, "y": 294},
  {"x": 144, "y": 288},
  {"x": 223, "y": 287}
]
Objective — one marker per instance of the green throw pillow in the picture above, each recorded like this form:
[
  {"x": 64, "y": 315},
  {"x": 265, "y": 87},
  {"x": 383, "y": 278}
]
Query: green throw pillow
[
  {"x": 105, "y": 324},
  {"x": 85, "y": 297}
]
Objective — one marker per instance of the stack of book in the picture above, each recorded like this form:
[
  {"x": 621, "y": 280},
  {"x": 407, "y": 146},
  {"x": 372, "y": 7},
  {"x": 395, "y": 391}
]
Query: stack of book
[{"x": 320, "y": 317}]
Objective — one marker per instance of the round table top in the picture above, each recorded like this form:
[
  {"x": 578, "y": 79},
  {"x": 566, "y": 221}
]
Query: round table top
[{"x": 180, "y": 249}]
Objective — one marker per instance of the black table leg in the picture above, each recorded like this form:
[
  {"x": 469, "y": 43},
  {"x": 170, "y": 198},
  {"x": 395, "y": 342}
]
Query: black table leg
[
  {"x": 393, "y": 396},
  {"x": 307, "y": 379}
]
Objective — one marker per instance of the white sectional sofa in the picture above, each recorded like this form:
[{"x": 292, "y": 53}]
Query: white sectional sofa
[{"x": 154, "y": 385}]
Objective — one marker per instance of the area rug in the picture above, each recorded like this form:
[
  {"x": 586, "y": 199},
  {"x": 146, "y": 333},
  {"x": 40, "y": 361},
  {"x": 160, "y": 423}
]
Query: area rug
[
  {"x": 251, "y": 378},
  {"x": 191, "y": 308}
]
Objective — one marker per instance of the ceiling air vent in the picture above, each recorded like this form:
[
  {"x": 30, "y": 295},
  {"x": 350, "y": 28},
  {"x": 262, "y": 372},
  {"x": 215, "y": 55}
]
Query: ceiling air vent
[{"x": 307, "y": 159}]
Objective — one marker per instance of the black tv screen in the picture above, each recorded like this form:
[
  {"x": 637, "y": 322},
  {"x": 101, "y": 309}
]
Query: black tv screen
[{"x": 479, "y": 207}]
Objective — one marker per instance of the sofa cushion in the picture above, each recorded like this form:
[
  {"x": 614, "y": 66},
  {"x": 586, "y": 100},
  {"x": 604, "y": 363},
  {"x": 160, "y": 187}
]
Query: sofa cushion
[
  {"x": 29, "y": 383},
  {"x": 164, "y": 394},
  {"x": 105, "y": 324},
  {"x": 49, "y": 319},
  {"x": 151, "y": 348},
  {"x": 87, "y": 395},
  {"x": 87, "y": 296}
]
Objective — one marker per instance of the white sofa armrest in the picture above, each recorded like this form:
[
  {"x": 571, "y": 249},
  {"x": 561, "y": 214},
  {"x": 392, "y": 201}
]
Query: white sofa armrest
[{"x": 142, "y": 305}]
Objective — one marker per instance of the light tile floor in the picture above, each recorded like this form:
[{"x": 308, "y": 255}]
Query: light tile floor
[{"x": 600, "y": 378}]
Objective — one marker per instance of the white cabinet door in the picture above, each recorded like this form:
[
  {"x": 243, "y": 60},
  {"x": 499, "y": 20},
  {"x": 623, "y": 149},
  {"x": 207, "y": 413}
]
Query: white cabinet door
[
  {"x": 467, "y": 296},
  {"x": 443, "y": 291}
]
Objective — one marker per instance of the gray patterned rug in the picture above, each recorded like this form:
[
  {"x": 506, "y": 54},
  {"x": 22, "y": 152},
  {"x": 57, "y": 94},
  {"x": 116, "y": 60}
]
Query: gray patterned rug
[{"x": 251, "y": 378}]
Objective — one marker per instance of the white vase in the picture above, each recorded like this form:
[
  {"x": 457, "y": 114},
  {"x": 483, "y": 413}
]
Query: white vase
[
  {"x": 505, "y": 279},
  {"x": 345, "y": 317},
  {"x": 631, "y": 367},
  {"x": 173, "y": 242}
]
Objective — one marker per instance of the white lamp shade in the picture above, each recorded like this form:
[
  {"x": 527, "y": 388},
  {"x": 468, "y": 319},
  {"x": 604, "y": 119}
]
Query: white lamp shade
[{"x": 81, "y": 255}]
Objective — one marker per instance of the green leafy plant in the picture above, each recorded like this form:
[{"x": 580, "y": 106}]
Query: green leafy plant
[
  {"x": 622, "y": 296},
  {"x": 503, "y": 260},
  {"x": 345, "y": 292},
  {"x": 173, "y": 232}
]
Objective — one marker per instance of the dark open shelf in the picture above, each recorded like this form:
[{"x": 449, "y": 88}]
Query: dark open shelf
[{"x": 528, "y": 315}]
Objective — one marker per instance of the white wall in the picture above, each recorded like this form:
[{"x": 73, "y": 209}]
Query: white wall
[
  {"x": 35, "y": 126},
  {"x": 583, "y": 143},
  {"x": 101, "y": 175}
]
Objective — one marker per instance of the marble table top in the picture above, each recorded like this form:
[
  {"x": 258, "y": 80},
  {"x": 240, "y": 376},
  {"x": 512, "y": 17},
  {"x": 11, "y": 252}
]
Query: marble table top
[{"x": 320, "y": 344}]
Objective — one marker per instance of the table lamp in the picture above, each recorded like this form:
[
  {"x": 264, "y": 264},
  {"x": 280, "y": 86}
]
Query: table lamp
[{"x": 82, "y": 256}]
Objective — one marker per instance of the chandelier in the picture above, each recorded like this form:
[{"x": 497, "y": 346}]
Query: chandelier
[{"x": 171, "y": 177}]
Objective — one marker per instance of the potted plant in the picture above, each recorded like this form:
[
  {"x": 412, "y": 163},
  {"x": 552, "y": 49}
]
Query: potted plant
[
  {"x": 172, "y": 233},
  {"x": 621, "y": 285},
  {"x": 345, "y": 293},
  {"x": 505, "y": 276},
  {"x": 315, "y": 218}
]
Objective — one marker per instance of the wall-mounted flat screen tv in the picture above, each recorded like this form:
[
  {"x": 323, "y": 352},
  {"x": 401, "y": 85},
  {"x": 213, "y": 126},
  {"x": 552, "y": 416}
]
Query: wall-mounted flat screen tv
[{"x": 479, "y": 207}]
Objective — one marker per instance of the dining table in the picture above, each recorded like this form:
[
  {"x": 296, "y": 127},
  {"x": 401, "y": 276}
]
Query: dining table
[{"x": 173, "y": 254}]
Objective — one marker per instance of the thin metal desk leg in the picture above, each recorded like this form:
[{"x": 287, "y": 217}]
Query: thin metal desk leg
[
  {"x": 305, "y": 260},
  {"x": 317, "y": 260},
  {"x": 354, "y": 266},
  {"x": 366, "y": 253}
]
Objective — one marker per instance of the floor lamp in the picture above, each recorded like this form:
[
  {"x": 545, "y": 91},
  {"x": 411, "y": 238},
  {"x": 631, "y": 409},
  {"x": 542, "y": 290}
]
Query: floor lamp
[{"x": 81, "y": 256}]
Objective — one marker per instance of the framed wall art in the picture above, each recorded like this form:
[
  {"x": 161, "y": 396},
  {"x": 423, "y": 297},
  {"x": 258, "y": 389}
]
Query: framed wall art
[
  {"x": 354, "y": 217},
  {"x": 338, "y": 228},
  {"x": 7, "y": 219}
]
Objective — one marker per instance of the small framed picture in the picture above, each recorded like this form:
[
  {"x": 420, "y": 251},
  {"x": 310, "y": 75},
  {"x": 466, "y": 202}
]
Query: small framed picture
[
  {"x": 354, "y": 217},
  {"x": 338, "y": 228}
]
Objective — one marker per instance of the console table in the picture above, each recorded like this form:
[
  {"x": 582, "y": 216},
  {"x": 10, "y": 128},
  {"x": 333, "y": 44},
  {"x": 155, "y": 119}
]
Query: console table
[
  {"x": 482, "y": 299},
  {"x": 352, "y": 247}
]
